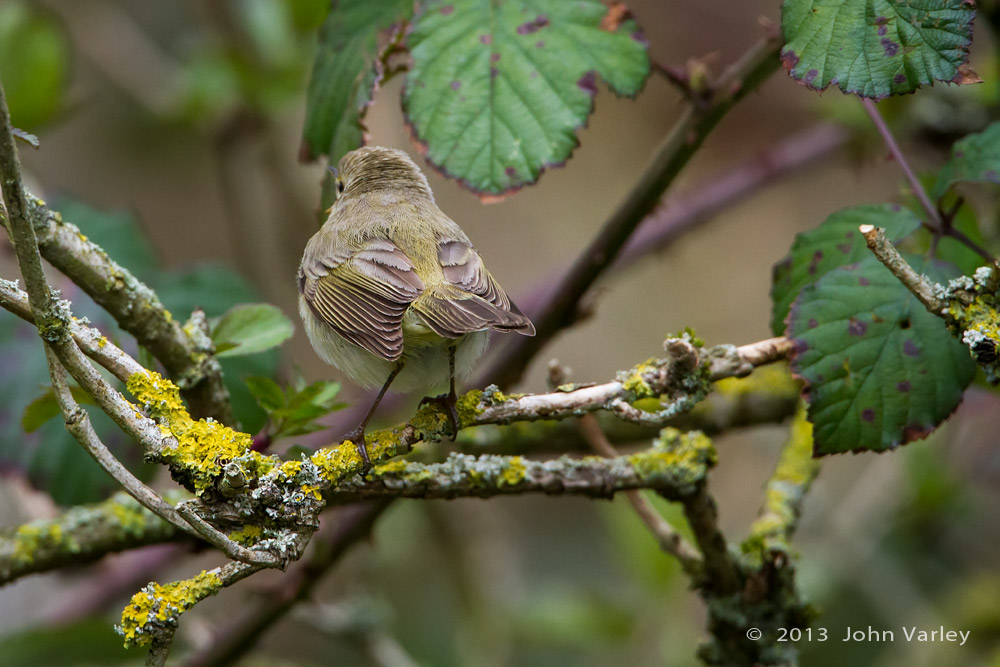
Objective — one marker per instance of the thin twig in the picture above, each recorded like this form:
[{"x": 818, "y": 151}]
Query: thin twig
[
  {"x": 669, "y": 539},
  {"x": 918, "y": 189}
]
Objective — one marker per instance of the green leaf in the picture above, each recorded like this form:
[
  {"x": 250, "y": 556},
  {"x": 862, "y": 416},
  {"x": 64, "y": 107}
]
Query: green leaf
[
  {"x": 267, "y": 392},
  {"x": 877, "y": 48},
  {"x": 881, "y": 370},
  {"x": 45, "y": 407},
  {"x": 250, "y": 328},
  {"x": 34, "y": 63},
  {"x": 348, "y": 68},
  {"x": 973, "y": 158},
  {"x": 497, "y": 91},
  {"x": 835, "y": 243}
]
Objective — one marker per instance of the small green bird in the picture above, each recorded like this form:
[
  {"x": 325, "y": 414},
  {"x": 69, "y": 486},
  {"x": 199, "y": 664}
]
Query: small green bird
[{"x": 391, "y": 289}]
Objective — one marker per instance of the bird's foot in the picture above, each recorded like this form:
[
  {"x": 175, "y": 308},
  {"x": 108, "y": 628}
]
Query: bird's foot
[
  {"x": 447, "y": 403},
  {"x": 357, "y": 436}
]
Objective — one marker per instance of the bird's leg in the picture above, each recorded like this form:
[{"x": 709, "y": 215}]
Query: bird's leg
[
  {"x": 448, "y": 402},
  {"x": 357, "y": 436}
]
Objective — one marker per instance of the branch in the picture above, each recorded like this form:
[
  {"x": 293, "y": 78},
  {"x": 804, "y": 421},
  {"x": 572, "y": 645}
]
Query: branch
[
  {"x": 486, "y": 476},
  {"x": 684, "y": 139},
  {"x": 769, "y": 601},
  {"x": 79, "y": 535}
]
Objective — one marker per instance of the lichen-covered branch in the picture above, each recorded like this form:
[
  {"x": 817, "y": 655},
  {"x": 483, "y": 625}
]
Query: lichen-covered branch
[
  {"x": 663, "y": 469},
  {"x": 768, "y": 396},
  {"x": 79, "y": 535},
  {"x": 968, "y": 305},
  {"x": 699, "y": 118}
]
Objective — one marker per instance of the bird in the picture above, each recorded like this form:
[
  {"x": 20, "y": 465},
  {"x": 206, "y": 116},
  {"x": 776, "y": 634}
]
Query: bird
[{"x": 392, "y": 291}]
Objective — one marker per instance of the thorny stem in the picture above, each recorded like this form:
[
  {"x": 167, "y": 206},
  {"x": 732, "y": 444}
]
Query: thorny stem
[
  {"x": 890, "y": 141},
  {"x": 669, "y": 539},
  {"x": 683, "y": 141}
]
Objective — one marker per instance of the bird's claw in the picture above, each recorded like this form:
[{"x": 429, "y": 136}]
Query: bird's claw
[{"x": 447, "y": 403}]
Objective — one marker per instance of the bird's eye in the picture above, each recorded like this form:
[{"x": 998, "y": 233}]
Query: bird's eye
[{"x": 340, "y": 186}]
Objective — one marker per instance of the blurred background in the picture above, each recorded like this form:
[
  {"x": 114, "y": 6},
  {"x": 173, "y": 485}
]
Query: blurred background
[{"x": 170, "y": 133}]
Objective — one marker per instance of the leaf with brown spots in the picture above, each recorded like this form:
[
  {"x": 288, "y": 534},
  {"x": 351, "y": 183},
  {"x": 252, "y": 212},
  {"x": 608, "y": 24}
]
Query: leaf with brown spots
[
  {"x": 881, "y": 371},
  {"x": 497, "y": 91},
  {"x": 835, "y": 243},
  {"x": 877, "y": 48}
]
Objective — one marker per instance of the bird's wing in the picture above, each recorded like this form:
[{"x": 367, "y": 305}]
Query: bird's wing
[
  {"x": 363, "y": 296},
  {"x": 470, "y": 299}
]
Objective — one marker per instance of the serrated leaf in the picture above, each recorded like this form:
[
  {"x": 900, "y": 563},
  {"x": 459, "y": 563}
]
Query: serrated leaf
[
  {"x": 45, "y": 407},
  {"x": 973, "y": 158},
  {"x": 881, "y": 370},
  {"x": 34, "y": 63},
  {"x": 877, "y": 48},
  {"x": 250, "y": 328},
  {"x": 266, "y": 391},
  {"x": 835, "y": 243},
  {"x": 497, "y": 91},
  {"x": 346, "y": 72}
]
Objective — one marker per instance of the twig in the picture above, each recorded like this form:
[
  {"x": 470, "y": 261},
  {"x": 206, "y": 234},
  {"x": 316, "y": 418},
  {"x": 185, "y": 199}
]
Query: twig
[
  {"x": 918, "y": 189},
  {"x": 90, "y": 340},
  {"x": 669, "y": 539},
  {"x": 886, "y": 253},
  {"x": 78, "y": 425},
  {"x": 678, "y": 147}
]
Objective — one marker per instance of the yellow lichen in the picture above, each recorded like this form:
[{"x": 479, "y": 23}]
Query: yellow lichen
[
  {"x": 513, "y": 472},
  {"x": 160, "y": 605},
  {"x": 635, "y": 383},
  {"x": 683, "y": 457},
  {"x": 247, "y": 535},
  {"x": 202, "y": 445},
  {"x": 101, "y": 342}
]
